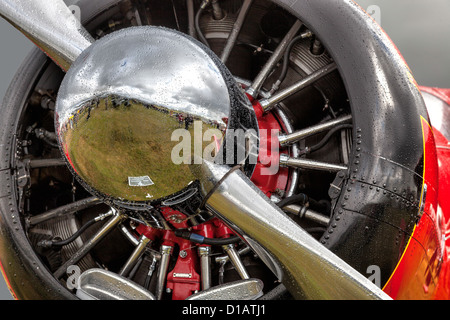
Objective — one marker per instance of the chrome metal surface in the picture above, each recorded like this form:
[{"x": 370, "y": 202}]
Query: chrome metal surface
[
  {"x": 45, "y": 163},
  {"x": 63, "y": 210},
  {"x": 248, "y": 289},
  {"x": 236, "y": 29},
  {"x": 132, "y": 239},
  {"x": 225, "y": 258},
  {"x": 309, "y": 270},
  {"x": 166, "y": 252},
  {"x": 191, "y": 18},
  {"x": 137, "y": 253},
  {"x": 91, "y": 243},
  {"x": 287, "y": 161},
  {"x": 205, "y": 266},
  {"x": 118, "y": 113},
  {"x": 217, "y": 11},
  {"x": 269, "y": 103},
  {"x": 236, "y": 261},
  {"x": 100, "y": 284},
  {"x": 308, "y": 214},
  {"x": 258, "y": 82},
  {"x": 51, "y": 26},
  {"x": 295, "y": 150},
  {"x": 287, "y": 139},
  {"x": 250, "y": 213},
  {"x": 287, "y": 126}
]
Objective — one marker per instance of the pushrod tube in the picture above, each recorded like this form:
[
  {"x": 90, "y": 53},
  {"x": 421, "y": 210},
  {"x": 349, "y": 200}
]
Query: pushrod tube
[
  {"x": 287, "y": 139},
  {"x": 257, "y": 83}
]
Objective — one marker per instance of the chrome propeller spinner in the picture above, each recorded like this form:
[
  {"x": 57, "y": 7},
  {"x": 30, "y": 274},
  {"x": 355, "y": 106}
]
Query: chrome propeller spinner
[{"x": 138, "y": 105}]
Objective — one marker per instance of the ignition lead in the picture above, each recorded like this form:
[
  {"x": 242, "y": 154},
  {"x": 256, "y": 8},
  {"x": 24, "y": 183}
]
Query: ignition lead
[{"x": 203, "y": 240}]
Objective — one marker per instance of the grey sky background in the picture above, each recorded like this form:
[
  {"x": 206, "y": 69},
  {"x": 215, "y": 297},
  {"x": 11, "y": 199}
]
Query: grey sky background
[
  {"x": 419, "y": 28},
  {"x": 421, "y": 31}
]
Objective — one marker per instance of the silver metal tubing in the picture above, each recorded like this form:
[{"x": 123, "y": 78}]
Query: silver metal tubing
[
  {"x": 308, "y": 214},
  {"x": 100, "y": 284},
  {"x": 287, "y": 161},
  {"x": 232, "y": 38},
  {"x": 287, "y": 126},
  {"x": 51, "y": 26},
  {"x": 295, "y": 151},
  {"x": 166, "y": 251},
  {"x": 151, "y": 268},
  {"x": 128, "y": 235},
  {"x": 236, "y": 261},
  {"x": 64, "y": 210},
  {"x": 269, "y": 103},
  {"x": 45, "y": 163},
  {"x": 290, "y": 138},
  {"x": 91, "y": 243},
  {"x": 78, "y": 93},
  {"x": 191, "y": 18},
  {"x": 307, "y": 268},
  {"x": 205, "y": 266},
  {"x": 137, "y": 253},
  {"x": 225, "y": 258},
  {"x": 254, "y": 89},
  {"x": 199, "y": 13}
]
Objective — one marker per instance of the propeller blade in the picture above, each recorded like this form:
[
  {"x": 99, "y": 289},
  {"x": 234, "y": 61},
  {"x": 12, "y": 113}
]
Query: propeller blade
[
  {"x": 306, "y": 267},
  {"x": 248, "y": 289},
  {"x": 100, "y": 284},
  {"x": 51, "y": 26}
]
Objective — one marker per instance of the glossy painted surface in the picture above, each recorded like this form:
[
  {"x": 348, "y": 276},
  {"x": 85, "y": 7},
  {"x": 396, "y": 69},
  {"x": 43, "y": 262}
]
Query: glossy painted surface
[
  {"x": 443, "y": 151},
  {"x": 423, "y": 270},
  {"x": 417, "y": 273}
]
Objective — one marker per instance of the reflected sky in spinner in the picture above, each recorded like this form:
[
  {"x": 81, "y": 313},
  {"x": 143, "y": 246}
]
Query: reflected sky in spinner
[{"x": 120, "y": 102}]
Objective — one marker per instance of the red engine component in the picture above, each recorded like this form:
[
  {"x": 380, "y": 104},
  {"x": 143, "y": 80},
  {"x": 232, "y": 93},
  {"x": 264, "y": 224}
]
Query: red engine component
[
  {"x": 184, "y": 278},
  {"x": 268, "y": 176}
]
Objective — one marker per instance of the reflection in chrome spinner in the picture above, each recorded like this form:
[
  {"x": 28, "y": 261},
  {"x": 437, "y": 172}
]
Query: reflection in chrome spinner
[
  {"x": 51, "y": 26},
  {"x": 123, "y": 99}
]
